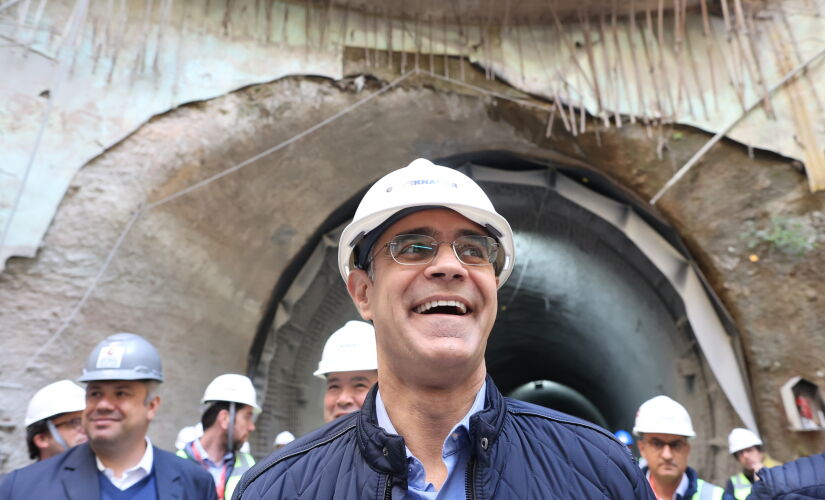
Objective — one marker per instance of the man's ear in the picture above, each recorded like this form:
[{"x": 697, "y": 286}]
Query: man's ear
[
  {"x": 223, "y": 419},
  {"x": 42, "y": 440},
  {"x": 358, "y": 284},
  {"x": 153, "y": 406}
]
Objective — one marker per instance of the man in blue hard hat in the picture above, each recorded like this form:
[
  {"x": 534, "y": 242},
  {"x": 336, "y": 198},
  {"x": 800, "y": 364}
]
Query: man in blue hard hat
[{"x": 119, "y": 462}]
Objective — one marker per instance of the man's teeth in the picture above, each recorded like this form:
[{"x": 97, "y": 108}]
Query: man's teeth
[{"x": 441, "y": 303}]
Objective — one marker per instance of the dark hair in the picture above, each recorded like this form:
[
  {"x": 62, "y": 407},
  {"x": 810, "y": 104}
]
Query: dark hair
[
  {"x": 34, "y": 429},
  {"x": 211, "y": 414}
]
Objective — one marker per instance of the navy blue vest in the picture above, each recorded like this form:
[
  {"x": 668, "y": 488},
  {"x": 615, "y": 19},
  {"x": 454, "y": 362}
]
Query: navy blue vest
[{"x": 145, "y": 489}]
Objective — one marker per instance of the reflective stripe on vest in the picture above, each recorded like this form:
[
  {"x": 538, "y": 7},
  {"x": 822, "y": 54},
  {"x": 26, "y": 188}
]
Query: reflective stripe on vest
[
  {"x": 707, "y": 491},
  {"x": 741, "y": 486}
]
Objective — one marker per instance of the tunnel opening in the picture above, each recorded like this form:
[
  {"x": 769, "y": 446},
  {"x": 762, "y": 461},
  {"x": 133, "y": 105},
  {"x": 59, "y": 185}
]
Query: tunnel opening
[{"x": 587, "y": 323}]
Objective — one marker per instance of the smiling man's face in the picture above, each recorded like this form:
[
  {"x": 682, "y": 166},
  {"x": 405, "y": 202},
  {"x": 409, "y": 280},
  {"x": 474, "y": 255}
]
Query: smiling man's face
[
  {"x": 432, "y": 316},
  {"x": 117, "y": 411}
]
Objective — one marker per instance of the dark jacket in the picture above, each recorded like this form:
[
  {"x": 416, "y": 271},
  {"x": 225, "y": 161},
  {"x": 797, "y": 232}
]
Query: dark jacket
[
  {"x": 73, "y": 475},
  {"x": 798, "y": 480},
  {"x": 519, "y": 451},
  {"x": 698, "y": 488}
]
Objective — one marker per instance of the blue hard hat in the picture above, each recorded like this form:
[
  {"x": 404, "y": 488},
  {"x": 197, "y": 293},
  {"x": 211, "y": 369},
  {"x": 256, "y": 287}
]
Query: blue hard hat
[{"x": 624, "y": 436}]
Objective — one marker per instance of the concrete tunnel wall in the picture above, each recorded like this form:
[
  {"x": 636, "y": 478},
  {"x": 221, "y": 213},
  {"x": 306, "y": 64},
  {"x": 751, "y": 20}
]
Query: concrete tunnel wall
[{"x": 584, "y": 308}]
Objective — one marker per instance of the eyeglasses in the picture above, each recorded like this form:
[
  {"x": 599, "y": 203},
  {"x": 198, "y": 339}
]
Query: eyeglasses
[
  {"x": 676, "y": 445},
  {"x": 419, "y": 249},
  {"x": 74, "y": 423}
]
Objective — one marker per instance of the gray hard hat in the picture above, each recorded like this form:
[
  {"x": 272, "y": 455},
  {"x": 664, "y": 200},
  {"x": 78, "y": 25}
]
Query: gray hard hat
[{"x": 123, "y": 356}]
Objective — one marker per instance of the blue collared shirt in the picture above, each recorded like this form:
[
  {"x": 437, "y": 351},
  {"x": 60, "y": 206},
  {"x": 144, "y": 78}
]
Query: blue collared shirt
[
  {"x": 455, "y": 453},
  {"x": 218, "y": 471}
]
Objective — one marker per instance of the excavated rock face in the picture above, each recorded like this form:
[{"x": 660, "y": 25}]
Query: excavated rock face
[{"x": 195, "y": 274}]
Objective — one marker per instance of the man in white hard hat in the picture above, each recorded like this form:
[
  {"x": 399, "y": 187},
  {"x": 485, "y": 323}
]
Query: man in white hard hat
[
  {"x": 227, "y": 421},
  {"x": 747, "y": 449},
  {"x": 122, "y": 375},
  {"x": 282, "y": 439},
  {"x": 423, "y": 259},
  {"x": 349, "y": 367},
  {"x": 53, "y": 419},
  {"x": 664, "y": 430}
]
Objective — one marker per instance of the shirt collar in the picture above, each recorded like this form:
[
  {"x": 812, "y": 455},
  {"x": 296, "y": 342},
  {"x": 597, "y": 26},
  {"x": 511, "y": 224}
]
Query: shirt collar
[
  {"x": 228, "y": 457},
  {"x": 145, "y": 462},
  {"x": 681, "y": 489},
  {"x": 385, "y": 423}
]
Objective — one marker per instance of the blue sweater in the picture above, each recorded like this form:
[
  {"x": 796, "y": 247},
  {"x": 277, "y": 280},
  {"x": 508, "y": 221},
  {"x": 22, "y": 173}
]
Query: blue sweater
[{"x": 145, "y": 489}]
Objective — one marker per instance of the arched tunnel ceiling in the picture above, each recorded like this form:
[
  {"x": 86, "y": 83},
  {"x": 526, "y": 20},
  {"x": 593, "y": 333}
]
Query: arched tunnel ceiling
[
  {"x": 585, "y": 308},
  {"x": 200, "y": 50}
]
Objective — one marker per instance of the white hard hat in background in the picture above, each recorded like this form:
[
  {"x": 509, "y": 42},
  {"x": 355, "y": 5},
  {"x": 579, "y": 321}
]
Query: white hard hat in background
[
  {"x": 283, "y": 438},
  {"x": 59, "y": 397},
  {"x": 188, "y": 434},
  {"x": 231, "y": 387},
  {"x": 663, "y": 415},
  {"x": 740, "y": 439},
  {"x": 351, "y": 348},
  {"x": 423, "y": 184}
]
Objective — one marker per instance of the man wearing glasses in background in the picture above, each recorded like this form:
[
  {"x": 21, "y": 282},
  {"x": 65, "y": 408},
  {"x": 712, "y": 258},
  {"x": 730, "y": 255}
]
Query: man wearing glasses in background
[
  {"x": 53, "y": 419},
  {"x": 423, "y": 259},
  {"x": 663, "y": 427}
]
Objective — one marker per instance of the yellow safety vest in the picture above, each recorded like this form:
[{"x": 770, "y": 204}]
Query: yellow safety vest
[
  {"x": 707, "y": 491},
  {"x": 741, "y": 486},
  {"x": 243, "y": 462}
]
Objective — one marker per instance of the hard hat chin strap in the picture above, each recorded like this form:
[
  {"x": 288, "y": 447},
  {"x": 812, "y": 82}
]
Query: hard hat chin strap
[
  {"x": 56, "y": 434},
  {"x": 231, "y": 431}
]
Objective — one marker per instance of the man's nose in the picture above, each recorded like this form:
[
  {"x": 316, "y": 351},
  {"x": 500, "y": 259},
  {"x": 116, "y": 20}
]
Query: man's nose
[
  {"x": 445, "y": 264},
  {"x": 345, "y": 398},
  {"x": 667, "y": 452},
  {"x": 103, "y": 404}
]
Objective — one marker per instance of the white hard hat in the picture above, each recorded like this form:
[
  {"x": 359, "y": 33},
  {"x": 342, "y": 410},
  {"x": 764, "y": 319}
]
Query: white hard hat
[
  {"x": 423, "y": 184},
  {"x": 63, "y": 396},
  {"x": 740, "y": 439},
  {"x": 187, "y": 435},
  {"x": 663, "y": 415},
  {"x": 283, "y": 438},
  {"x": 351, "y": 348},
  {"x": 231, "y": 387}
]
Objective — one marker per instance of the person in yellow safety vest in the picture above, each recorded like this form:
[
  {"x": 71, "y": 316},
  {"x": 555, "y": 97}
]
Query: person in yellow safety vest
[
  {"x": 349, "y": 366},
  {"x": 748, "y": 450},
  {"x": 663, "y": 428},
  {"x": 227, "y": 422}
]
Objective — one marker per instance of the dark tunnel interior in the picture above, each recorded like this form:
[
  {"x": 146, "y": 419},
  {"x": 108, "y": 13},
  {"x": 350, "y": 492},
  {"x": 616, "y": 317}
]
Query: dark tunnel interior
[{"x": 586, "y": 323}]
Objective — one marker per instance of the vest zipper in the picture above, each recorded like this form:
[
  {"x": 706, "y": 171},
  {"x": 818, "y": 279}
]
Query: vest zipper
[
  {"x": 469, "y": 479},
  {"x": 388, "y": 488}
]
